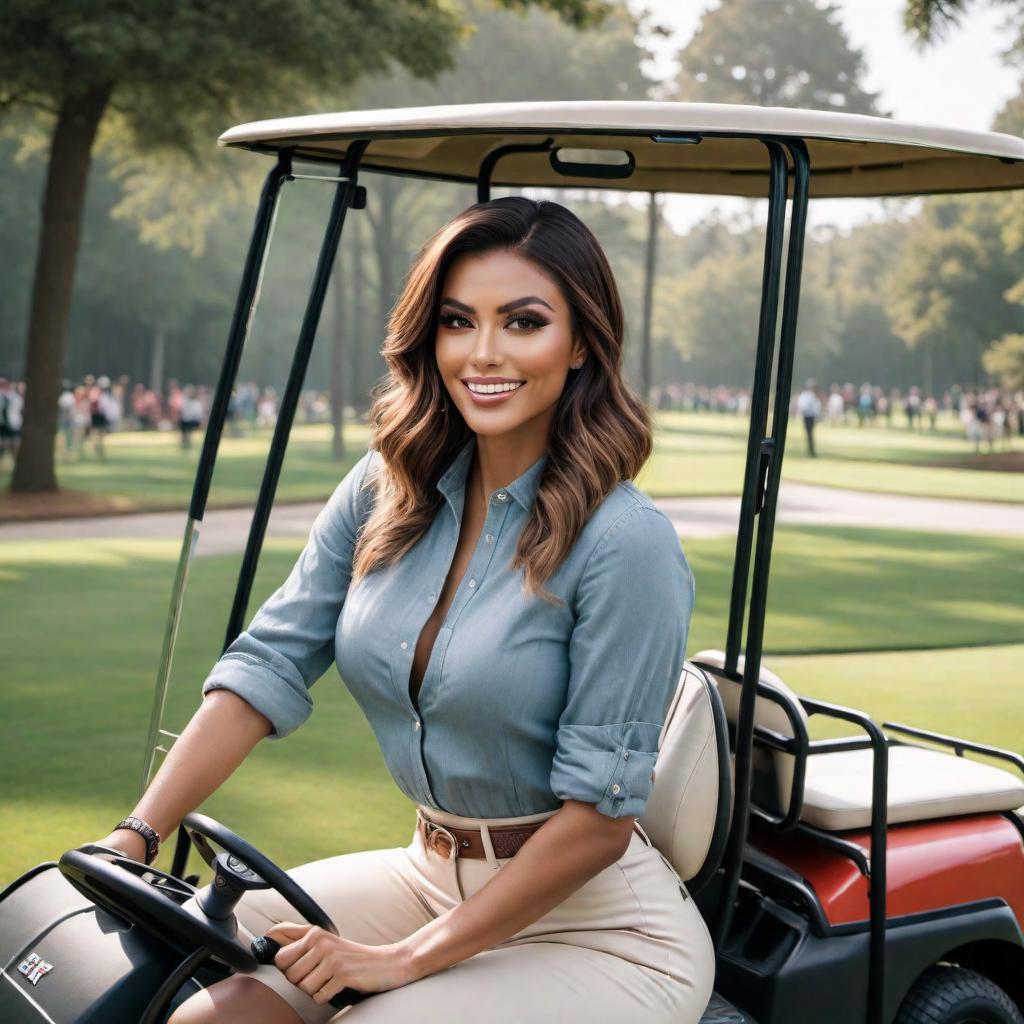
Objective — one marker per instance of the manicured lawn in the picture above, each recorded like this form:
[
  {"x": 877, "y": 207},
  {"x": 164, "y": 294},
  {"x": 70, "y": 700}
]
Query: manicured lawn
[
  {"x": 703, "y": 453},
  {"x": 695, "y": 454},
  {"x": 82, "y": 622}
]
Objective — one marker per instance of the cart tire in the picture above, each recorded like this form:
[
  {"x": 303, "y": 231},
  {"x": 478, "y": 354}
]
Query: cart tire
[{"x": 957, "y": 995}]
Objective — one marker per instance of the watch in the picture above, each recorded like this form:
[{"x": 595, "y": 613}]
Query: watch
[{"x": 148, "y": 833}]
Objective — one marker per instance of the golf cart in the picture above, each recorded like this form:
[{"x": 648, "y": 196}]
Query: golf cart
[{"x": 868, "y": 879}]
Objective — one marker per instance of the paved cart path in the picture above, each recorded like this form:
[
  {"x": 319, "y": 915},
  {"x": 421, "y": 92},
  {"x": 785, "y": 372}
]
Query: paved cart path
[{"x": 224, "y": 531}]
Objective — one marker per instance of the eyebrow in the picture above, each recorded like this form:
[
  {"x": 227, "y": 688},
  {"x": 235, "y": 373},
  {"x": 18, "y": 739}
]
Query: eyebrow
[{"x": 515, "y": 304}]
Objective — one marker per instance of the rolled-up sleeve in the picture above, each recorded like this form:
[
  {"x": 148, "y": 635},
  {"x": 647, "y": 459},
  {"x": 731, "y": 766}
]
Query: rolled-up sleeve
[
  {"x": 289, "y": 643},
  {"x": 626, "y": 652}
]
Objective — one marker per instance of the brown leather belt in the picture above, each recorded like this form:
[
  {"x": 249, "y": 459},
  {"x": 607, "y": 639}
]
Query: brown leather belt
[{"x": 505, "y": 840}]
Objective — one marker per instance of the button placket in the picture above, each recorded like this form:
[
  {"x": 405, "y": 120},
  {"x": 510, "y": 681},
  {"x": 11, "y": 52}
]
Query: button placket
[{"x": 475, "y": 571}]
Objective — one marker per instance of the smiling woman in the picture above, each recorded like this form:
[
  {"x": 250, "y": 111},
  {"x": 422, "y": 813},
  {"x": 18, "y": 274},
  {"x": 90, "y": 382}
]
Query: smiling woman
[{"x": 511, "y": 614}]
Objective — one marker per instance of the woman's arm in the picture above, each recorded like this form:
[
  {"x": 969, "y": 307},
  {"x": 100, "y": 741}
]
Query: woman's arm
[
  {"x": 219, "y": 736},
  {"x": 573, "y": 845}
]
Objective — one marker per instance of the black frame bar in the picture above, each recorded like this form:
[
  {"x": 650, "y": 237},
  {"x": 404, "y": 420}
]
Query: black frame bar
[
  {"x": 347, "y": 193},
  {"x": 241, "y": 321}
]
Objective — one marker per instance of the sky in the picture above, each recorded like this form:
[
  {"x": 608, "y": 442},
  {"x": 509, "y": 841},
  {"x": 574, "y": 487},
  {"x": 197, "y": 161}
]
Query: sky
[{"x": 960, "y": 82}]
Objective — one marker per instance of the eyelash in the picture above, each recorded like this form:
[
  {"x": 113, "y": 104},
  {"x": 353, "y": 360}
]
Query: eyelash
[{"x": 535, "y": 322}]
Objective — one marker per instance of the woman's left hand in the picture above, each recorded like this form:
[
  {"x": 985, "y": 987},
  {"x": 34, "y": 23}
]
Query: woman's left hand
[{"x": 322, "y": 964}]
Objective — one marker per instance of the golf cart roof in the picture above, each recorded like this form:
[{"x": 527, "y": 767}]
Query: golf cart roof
[{"x": 850, "y": 154}]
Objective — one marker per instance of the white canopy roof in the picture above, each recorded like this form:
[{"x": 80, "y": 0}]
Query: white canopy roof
[{"x": 851, "y": 154}]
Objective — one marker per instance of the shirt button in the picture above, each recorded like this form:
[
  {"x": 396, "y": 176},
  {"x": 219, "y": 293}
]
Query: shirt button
[
  {"x": 472, "y": 583},
  {"x": 417, "y": 725},
  {"x": 404, "y": 645},
  {"x": 501, "y": 495},
  {"x": 625, "y": 756},
  {"x": 615, "y": 788},
  {"x": 489, "y": 538}
]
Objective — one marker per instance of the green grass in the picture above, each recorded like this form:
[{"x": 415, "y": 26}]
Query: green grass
[
  {"x": 81, "y": 625},
  {"x": 696, "y": 454},
  {"x": 703, "y": 453},
  {"x": 973, "y": 693}
]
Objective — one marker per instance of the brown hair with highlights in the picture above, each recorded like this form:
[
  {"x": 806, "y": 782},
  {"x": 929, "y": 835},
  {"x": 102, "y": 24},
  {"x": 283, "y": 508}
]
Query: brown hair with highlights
[{"x": 600, "y": 433}]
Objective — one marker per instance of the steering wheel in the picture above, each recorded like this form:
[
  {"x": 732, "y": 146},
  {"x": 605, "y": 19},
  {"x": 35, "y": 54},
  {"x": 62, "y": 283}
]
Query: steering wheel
[{"x": 177, "y": 912}]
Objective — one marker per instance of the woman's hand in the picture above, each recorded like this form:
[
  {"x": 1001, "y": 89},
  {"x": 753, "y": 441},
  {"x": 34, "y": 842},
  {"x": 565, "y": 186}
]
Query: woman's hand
[{"x": 322, "y": 964}]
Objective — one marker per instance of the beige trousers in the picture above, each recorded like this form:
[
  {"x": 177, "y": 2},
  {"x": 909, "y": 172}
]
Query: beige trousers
[{"x": 628, "y": 945}]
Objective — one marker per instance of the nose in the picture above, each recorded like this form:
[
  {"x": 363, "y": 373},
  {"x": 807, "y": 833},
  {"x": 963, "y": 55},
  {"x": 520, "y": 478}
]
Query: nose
[{"x": 486, "y": 351}]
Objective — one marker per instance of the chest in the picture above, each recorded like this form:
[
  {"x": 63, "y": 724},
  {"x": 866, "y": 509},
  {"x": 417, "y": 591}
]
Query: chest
[{"x": 469, "y": 536}]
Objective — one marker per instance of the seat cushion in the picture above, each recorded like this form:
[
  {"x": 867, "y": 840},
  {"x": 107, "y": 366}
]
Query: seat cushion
[
  {"x": 923, "y": 784},
  {"x": 681, "y": 812}
]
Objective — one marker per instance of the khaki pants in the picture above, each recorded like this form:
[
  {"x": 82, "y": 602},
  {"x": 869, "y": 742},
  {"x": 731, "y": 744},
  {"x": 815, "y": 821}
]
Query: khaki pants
[{"x": 629, "y": 945}]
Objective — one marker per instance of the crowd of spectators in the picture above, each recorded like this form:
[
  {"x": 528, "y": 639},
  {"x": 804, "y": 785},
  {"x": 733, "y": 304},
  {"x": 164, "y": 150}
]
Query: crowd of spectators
[
  {"x": 97, "y": 406},
  {"x": 988, "y": 415}
]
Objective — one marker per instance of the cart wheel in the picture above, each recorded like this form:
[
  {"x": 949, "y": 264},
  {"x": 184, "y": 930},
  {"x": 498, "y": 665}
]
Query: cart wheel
[{"x": 957, "y": 995}]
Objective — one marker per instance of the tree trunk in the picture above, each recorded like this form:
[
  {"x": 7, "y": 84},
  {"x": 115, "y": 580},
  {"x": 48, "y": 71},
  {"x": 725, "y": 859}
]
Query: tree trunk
[
  {"x": 67, "y": 175},
  {"x": 338, "y": 335},
  {"x": 650, "y": 263}
]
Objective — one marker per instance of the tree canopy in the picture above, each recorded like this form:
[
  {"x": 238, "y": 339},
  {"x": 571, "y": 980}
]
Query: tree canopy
[{"x": 774, "y": 53}]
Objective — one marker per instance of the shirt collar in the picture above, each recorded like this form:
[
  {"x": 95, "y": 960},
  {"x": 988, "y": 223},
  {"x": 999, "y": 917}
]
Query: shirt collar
[{"x": 453, "y": 481}]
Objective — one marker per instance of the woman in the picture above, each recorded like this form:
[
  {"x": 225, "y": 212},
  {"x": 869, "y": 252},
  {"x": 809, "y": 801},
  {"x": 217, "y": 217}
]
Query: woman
[{"x": 511, "y": 614}]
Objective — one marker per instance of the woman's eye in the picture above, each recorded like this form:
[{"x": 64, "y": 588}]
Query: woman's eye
[
  {"x": 527, "y": 323},
  {"x": 531, "y": 322}
]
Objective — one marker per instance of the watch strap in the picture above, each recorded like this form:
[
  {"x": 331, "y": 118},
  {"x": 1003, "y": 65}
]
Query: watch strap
[{"x": 147, "y": 832}]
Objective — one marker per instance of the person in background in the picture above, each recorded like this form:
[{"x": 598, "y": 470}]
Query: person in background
[
  {"x": 808, "y": 405},
  {"x": 191, "y": 416},
  {"x": 66, "y": 417},
  {"x": 11, "y": 404},
  {"x": 836, "y": 408}
]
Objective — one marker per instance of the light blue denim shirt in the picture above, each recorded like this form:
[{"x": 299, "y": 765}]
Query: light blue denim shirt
[{"x": 522, "y": 705}]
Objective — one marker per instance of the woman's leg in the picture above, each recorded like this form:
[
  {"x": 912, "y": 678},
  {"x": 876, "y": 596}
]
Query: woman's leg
[{"x": 629, "y": 944}]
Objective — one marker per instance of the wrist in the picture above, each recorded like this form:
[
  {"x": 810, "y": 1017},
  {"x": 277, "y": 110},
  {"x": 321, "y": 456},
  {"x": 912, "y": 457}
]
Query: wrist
[
  {"x": 147, "y": 833},
  {"x": 421, "y": 953}
]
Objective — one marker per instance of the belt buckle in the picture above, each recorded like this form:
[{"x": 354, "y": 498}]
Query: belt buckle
[{"x": 438, "y": 834}]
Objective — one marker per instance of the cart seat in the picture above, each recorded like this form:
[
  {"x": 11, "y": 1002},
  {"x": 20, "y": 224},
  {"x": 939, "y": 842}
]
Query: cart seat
[
  {"x": 923, "y": 783},
  {"x": 687, "y": 812}
]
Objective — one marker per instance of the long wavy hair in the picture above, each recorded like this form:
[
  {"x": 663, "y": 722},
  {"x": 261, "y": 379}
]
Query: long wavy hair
[{"x": 600, "y": 433}]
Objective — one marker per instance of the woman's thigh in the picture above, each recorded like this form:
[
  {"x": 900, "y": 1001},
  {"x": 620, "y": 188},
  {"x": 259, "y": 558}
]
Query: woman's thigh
[{"x": 630, "y": 943}]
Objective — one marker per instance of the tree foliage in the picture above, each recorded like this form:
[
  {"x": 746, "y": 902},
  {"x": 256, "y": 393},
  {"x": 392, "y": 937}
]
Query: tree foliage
[{"x": 774, "y": 53}]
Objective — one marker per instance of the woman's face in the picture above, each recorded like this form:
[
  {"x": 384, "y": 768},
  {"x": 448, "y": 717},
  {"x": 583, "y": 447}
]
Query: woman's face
[{"x": 501, "y": 319}]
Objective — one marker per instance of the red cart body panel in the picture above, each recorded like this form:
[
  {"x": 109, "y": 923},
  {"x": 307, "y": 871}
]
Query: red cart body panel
[{"x": 930, "y": 865}]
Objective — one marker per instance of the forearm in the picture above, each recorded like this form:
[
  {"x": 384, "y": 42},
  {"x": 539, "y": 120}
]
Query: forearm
[
  {"x": 216, "y": 740},
  {"x": 571, "y": 847}
]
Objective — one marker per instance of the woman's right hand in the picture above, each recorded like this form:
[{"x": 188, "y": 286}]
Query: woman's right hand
[{"x": 128, "y": 841}]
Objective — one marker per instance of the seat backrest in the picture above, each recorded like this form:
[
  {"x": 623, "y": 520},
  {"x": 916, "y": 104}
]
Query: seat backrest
[
  {"x": 688, "y": 811},
  {"x": 773, "y": 770}
]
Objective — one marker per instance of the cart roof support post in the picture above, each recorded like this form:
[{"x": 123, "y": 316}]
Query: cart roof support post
[
  {"x": 241, "y": 322},
  {"x": 347, "y": 194}
]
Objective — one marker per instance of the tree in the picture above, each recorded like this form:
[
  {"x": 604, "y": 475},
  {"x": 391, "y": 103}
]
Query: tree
[
  {"x": 930, "y": 20},
  {"x": 784, "y": 53},
  {"x": 173, "y": 72},
  {"x": 1005, "y": 361},
  {"x": 949, "y": 289}
]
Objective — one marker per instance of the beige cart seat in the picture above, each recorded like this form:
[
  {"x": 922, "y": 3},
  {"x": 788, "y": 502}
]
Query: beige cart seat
[
  {"x": 687, "y": 813},
  {"x": 923, "y": 783}
]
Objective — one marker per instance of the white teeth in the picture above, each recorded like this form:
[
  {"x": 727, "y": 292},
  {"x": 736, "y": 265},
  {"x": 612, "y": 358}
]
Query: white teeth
[{"x": 491, "y": 389}]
